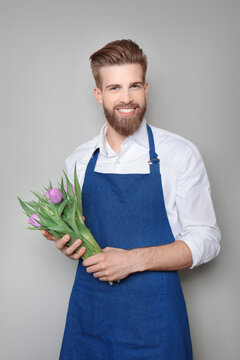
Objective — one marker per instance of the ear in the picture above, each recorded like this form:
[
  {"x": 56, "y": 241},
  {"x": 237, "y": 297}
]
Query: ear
[
  {"x": 98, "y": 95},
  {"x": 146, "y": 88}
]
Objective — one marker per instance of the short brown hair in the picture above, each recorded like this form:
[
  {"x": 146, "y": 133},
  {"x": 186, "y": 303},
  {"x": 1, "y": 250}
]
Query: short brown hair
[{"x": 118, "y": 52}]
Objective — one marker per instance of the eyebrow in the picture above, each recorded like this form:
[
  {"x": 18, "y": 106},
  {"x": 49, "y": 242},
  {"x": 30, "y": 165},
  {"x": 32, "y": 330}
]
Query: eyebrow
[{"x": 134, "y": 83}]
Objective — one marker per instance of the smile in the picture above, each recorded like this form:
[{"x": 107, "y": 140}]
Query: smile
[{"x": 127, "y": 111}]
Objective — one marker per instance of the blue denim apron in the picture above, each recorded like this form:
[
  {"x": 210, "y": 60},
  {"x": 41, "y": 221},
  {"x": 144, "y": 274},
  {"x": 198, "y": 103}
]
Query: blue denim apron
[{"x": 144, "y": 316}]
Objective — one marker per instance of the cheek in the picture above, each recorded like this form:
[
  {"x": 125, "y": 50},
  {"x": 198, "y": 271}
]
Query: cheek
[
  {"x": 111, "y": 101},
  {"x": 140, "y": 99}
]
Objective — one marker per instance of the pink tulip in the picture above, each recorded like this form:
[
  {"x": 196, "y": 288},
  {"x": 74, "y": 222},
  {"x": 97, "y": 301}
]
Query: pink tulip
[
  {"x": 32, "y": 220},
  {"x": 54, "y": 195}
]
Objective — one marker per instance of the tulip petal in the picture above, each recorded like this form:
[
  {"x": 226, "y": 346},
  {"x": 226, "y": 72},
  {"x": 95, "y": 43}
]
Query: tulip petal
[
  {"x": 33, "y": 220},
  {"x": 55, "y": 196}
]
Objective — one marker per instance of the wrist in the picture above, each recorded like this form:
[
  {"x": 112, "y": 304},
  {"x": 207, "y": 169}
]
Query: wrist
[{"x": 137, "y": 259}]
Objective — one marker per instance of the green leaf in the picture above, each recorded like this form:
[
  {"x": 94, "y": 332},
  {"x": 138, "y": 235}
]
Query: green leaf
[
  {"x": 45, "y": 219},
  {"x": 64, "y": 194},
  {"x": 69, "y": 216},
  {"x": 57, "y": 234},
  {"x": 41, "y": 197},
  {"x": 62, "y": 206},
  {"x": 32, "y": 205},
  {"x": 32, "y": 228},
  {"x": 53, "y": 208},
  {"x": 72, "y": 216},
  {"x": 77, "y": 189},
  {"x": 69, "y": 188},
  {"x": 59, "y": 228},
  {"x": 28, "y": 211}
]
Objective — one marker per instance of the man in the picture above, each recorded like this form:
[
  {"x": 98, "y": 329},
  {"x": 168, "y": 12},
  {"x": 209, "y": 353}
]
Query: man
[{"x": 146, "y": 198}]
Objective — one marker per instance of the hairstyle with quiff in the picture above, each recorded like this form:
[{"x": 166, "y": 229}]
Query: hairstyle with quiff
[{"x": 118, "y": 52}]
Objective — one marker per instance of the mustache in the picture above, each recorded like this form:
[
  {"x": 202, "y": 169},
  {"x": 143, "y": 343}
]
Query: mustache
[{"x": 125, "y": 106}]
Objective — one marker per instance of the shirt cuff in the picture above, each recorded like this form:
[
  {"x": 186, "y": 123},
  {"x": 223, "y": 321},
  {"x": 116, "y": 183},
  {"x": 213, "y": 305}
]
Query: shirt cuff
[{"x": 203, "y": 247}]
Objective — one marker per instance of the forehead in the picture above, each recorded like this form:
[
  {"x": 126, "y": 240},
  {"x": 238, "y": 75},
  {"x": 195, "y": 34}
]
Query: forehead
[{"x": 120, "y": 74}]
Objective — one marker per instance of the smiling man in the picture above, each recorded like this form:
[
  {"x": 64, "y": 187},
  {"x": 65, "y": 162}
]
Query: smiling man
[
  {"x": 146, "y": 198},
  {"x": 124, "y": 104}
]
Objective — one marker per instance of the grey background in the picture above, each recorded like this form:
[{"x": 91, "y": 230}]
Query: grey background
[{"x": 48, "y": 109}]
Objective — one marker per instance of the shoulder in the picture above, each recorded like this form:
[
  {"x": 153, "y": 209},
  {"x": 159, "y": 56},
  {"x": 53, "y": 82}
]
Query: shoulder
[
  {"x": 81, "y": 155},
  {"x": 172, "y": 140},
  {"x": 175, "y": 149}
]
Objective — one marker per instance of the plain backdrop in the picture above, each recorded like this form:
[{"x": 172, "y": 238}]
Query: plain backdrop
[{"x": 48, "y": 109}]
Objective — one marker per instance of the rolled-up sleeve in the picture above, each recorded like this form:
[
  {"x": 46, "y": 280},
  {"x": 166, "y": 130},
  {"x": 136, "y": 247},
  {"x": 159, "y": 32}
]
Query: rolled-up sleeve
[{"x": 199, "y": 229}]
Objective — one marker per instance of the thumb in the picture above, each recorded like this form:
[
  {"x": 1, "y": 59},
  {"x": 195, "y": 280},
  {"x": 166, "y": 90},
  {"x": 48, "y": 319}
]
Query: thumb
[{"x": 108, "y": 248}]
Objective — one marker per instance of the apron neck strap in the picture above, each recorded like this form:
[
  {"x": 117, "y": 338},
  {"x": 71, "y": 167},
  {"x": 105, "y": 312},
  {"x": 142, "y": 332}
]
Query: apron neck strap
[{"x": 152, "y": 154}]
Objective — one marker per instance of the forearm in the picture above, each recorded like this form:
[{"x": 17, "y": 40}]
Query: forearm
[{"x": 173, "y": 256}]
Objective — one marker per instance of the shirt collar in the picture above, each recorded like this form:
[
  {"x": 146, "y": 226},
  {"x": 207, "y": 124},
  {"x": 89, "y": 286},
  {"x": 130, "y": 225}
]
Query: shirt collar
[{"x": 140, "y": 136}]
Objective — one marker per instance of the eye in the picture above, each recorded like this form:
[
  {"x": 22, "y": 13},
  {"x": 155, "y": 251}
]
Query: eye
[
  {"x": 114, "y": 88},
  {"x": 135, "y": 85}
]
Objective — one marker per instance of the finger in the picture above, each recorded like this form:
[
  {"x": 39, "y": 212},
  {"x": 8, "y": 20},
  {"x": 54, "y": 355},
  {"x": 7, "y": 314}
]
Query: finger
[
  {"x": 62, "y": 242},
  {"x": 71, "y": 249},
  {"x": 79, "y": 254},
  {"x": 48, "y": 236},
  {"x": 100, "y": 274},
  {"x": 92, "y": 260},
  {"x": 83, "y": 218},
  {"x": 104, "y": 278},
  {"x": 94, "y": 268},
  {"x": 76, "y": 255}
]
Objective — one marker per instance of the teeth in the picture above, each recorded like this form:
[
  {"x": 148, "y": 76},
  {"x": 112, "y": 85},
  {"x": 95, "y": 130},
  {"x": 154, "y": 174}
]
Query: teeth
[{"x": 126, "y": 110}]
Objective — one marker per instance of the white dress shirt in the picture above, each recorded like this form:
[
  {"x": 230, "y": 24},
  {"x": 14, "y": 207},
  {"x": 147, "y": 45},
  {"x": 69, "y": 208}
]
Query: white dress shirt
[{"x": 185, "y": 183}]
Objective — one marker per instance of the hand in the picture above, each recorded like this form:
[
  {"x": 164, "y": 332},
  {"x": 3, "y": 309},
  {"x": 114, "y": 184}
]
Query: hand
[
  {"x": 69, "y": 251},
  {"x": 111, "y": 265}
]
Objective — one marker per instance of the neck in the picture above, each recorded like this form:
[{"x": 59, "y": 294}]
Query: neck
[{"x": 114, "y": 139}]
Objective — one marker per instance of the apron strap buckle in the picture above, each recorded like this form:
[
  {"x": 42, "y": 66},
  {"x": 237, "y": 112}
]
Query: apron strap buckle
[{"x": 154, "y": 161}]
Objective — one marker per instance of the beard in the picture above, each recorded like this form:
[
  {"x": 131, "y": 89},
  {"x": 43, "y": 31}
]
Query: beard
[{"x": 125, "y": 126}]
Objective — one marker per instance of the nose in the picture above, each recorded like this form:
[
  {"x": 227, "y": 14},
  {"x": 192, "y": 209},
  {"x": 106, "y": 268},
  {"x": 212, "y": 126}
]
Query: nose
[{"x": 126, "y": 96}]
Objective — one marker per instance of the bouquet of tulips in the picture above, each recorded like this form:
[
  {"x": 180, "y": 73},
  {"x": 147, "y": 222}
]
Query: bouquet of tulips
[{"x": 58, "y": 210}]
